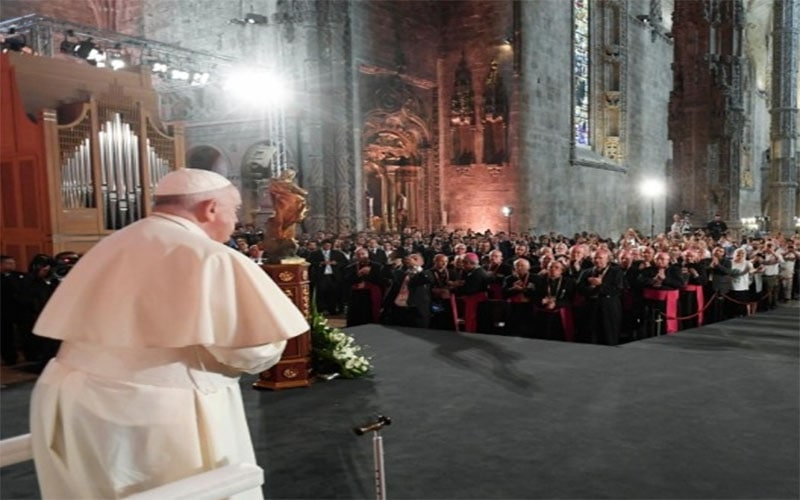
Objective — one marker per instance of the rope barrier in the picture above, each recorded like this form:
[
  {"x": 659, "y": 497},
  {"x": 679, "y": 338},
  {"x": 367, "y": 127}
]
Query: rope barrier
[
  {"x": 681, "y": 318},
  {"x": 708, "y": 304}
]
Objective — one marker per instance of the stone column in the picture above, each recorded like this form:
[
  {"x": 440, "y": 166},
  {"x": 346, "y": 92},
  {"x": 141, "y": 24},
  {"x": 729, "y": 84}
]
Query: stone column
[
  {"x": 783, "y": 127},
  {"x": 348, "y": 195},
  {"x": 310, "y": 124}
]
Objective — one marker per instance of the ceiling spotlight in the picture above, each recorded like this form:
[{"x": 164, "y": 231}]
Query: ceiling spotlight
[
  {"x": 116, "y": 60},
  {"x": 13, "y": 41},
  {"x": 199, "y": 78},
  {"x": 177, "y": 74},
  {"x": 68, "y": 47},
  {"x": 160, "y": 67},
  {"x": 86, "y": 49},
  {"x": 256, "y": 19},
  {"x": 97, "y": 58}
]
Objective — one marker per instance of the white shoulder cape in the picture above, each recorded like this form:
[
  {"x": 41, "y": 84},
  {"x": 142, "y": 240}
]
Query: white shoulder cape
[{"x": 162, "y": 282}]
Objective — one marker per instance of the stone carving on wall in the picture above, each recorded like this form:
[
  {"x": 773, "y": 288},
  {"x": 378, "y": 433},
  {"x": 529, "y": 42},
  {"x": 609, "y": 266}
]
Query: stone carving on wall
[
  {"x": 495, "y": 118},
  {"x": 611, "y": 147},
  {"x": 612, "y": 98},
  {"x": 462, "y": 116},
  {"x": 612, "y": 52}
]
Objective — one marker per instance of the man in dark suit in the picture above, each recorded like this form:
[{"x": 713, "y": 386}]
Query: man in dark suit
[
  {"x": 442, "y": 277},
  {"x": 11, "y": 284},
  {"x": 325, "y": 274},
  {"x": 475, "y": 278},
  {"x": 475, "y": 281},
  {"x": 695, "y": 274},
  {"x": 376, "y": 253},
  {"x": 496, "y": 269},
  {"x": 720, "y": 273},
  {"x": 602, "y": 286},
  {"x": 363, "y": 282},
  {"x": 716, "y": 227},
  {"x": 662, "y": 275},
  {"x": 408, "y": 301},
  {"x": 518, "y": 289},
  {"x": 552, "y": 292}
]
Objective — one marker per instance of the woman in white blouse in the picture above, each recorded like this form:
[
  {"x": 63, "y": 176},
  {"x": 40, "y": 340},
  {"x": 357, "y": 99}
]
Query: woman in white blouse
[{"x": 740, "y": 283}]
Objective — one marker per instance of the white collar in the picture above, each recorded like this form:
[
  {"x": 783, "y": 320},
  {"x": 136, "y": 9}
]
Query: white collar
[{"x": 181, "y": 221}]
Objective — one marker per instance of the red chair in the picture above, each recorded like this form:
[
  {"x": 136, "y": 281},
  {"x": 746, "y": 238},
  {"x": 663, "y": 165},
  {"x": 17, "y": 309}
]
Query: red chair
[
  {"x": 670, "y": 299},
  {"x": 567, "y": 320},
  {"x": 467, "y": 305}
]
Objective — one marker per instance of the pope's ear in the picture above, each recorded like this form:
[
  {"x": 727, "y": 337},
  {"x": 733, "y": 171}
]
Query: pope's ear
[{"x": 207, "y": 210}]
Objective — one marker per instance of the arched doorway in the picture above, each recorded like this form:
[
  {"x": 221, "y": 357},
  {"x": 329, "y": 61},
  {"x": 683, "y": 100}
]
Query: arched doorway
[
  {"x": 207, "y": 157},
  {"x": 394, "y": 170}
]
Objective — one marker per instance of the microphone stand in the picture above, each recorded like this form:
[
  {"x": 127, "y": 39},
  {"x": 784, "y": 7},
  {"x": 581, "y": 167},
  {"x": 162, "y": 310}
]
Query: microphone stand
[{"x": 377, "y": 452}]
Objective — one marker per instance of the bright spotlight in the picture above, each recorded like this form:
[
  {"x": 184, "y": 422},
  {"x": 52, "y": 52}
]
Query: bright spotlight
[
  {"x": 177, "y": 74},
  {"x": 116, "y": 60},
  {"x": 199, "y": 78},
  {"x": 652, "y": 188},
  {"x": 252, "y": 18},
  {"x": 258, "y": 87}
]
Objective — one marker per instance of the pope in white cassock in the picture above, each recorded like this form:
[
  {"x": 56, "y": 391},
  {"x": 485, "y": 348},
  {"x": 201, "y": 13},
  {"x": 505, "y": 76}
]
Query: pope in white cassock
[{"x": 158, "y": 320}]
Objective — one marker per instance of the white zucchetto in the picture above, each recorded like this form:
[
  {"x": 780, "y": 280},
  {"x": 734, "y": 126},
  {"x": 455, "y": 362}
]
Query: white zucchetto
[{"x": 190, "y": 181}]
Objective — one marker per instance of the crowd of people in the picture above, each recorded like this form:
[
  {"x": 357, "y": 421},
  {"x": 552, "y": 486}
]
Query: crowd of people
[
  {"x": 24, "y": 295},
  {"x": 177, "y": 349},
  {"x": 583, "y": 287},
  {"x": 408, "y": 278}
]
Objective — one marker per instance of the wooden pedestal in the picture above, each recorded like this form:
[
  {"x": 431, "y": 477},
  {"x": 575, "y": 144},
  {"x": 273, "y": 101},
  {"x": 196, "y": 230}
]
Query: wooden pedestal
[{"x": 294, "y": 368}]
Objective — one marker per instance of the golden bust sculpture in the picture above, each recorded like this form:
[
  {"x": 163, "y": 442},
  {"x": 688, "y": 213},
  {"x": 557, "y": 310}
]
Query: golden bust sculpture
[{"x": 289, "y": 203}]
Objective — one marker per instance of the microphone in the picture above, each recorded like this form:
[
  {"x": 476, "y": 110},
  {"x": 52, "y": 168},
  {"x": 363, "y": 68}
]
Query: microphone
[{"x": 374, "y": 426}]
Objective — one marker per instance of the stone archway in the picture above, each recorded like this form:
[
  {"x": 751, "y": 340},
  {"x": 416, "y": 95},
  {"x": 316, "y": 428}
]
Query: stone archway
[
  {"x": 394, "y": 169},
  {"x": 207, "y": 157}
]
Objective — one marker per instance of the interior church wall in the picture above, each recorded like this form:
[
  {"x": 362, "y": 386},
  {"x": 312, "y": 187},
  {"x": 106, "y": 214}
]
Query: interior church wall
[
  {"x": 124, "y": 17},
  {"x": 478, "y": 34},
  {"x": 304, "y": 44},
  {"x": 755, "y": 183},
  {"x": 214, "y": 116},
  {"x": 649, "y": 151},
  {"x": 565, "y": 195},
  {"x": 333, "y": 51},
  {"x": 547, "y": 180}
]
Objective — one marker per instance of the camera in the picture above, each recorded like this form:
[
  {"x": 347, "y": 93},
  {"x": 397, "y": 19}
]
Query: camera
[{"x": 64, "y": 262}]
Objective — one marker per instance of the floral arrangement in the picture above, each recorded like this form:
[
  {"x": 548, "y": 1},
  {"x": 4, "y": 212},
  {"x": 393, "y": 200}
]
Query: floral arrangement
[{"x": 335, "y": 352}]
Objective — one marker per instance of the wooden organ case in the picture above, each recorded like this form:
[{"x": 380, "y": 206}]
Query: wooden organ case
[{"x": 88, "y": 164}]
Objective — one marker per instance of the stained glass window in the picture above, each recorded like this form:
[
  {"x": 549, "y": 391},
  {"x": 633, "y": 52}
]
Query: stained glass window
[{"x": 580, "y": 62}]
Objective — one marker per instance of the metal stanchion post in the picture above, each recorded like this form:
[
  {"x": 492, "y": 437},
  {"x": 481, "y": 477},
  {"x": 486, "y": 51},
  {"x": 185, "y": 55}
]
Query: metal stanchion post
[
  {"x": 658, "y": 321},
  {"x": 377, "y": 452}
]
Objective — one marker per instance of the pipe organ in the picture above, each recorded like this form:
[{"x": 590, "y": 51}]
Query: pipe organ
[{"x": 96, "y": 165}]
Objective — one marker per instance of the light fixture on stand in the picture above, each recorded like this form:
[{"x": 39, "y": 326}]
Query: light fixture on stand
[
  {"x": 14, "y": 42},
  {"x": 652, "y": 188},
  {"x": 507, "y": 211},
  {"x": 252, "y": 18}
]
